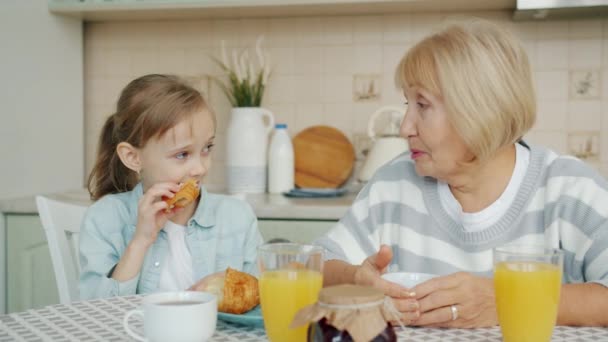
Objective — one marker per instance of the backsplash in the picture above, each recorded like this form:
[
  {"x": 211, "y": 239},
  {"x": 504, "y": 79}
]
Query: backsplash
[{"x": 338, "y": 70}]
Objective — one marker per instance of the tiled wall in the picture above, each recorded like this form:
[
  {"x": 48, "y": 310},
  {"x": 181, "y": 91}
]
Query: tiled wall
[{"x": 317, "y": 59}]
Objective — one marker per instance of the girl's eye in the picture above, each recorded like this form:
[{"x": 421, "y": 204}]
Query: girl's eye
[
  {"x": 406, "y": 103},
  {"x": 182, "y": 155}
]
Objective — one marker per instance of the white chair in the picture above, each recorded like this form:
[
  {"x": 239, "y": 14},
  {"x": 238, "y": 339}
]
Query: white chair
[{"x": 61, "y": 222}]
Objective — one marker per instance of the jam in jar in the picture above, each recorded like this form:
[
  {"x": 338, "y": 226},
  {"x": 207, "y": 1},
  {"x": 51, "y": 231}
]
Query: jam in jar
[{"x": 321, "y": 331}]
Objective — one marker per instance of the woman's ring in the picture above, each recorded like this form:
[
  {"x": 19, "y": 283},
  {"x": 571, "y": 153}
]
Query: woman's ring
[{"x": 454, "y": 312}]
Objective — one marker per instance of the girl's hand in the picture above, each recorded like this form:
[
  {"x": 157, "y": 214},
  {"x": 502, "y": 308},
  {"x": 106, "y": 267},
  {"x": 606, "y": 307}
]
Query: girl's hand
[
  {"x": 472, "y": 296},
  {"x": 370, "y": 274},
  {"x": 152, "y": 212}
]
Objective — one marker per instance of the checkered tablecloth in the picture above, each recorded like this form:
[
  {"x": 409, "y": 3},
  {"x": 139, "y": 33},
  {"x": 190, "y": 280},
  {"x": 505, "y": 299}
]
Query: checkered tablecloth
[{"x": 101, "y": 320}]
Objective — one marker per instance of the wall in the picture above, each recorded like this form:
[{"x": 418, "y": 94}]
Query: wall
[
  {"x": 41, "y": 140},
  {"x": 317, "y": 59}
]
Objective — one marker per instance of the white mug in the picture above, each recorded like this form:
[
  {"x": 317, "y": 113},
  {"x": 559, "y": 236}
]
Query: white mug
[{"x": 186, "y": 316}]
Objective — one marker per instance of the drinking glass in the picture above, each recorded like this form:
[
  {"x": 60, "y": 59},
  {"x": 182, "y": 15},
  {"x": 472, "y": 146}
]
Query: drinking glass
[
  {"x": 291, "y": 276},
  {"x": 527, "y": 282}
]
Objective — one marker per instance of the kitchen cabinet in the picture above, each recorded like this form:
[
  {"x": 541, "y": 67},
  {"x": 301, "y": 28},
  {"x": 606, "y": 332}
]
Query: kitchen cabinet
[
  {"x": 192, "y": 9},
  {"x": 30, "y": 276}
]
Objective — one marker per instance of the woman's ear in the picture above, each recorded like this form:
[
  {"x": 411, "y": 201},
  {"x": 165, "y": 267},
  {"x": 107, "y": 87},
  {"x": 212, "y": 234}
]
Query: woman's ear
[{"x": 129, "y": 156}]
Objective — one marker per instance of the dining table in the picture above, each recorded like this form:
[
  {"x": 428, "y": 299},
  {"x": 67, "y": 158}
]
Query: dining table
[{"x": 102, "y": 320}]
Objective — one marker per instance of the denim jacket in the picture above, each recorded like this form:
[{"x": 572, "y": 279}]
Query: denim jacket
[{"x": 222, "y": 232}]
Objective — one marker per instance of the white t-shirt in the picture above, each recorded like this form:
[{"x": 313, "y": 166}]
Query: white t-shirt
[
  {"x": 177, "y": 273},
  {"x": 474, "y": 222}
]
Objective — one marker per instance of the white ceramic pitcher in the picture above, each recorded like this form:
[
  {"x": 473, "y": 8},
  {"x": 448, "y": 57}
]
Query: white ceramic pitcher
[{"x": 246, "y": 149}]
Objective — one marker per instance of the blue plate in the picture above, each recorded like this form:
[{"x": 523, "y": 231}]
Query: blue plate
[{"x": 252, "y": 317}]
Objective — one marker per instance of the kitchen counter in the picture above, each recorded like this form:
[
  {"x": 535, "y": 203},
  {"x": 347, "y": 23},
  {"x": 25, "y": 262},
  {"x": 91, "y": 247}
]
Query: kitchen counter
[{"x": 265, "y": 206}]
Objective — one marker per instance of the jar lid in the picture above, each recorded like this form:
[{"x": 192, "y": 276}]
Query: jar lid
[{"x": 350, "y": 294}]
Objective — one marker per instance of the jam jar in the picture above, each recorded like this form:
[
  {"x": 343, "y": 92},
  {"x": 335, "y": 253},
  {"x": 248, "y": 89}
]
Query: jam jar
[{"x": 345, "y": 313}]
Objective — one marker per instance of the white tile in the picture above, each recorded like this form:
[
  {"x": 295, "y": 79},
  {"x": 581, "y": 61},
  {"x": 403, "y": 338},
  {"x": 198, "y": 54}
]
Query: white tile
[
  {"x": 145, "y": 35},
  {"x": 308, "y": 114},
  {"x": 531, "y": 49},
  {"x": 605, "y": 53},
  {"x": 397, "y": 28},
  {"x": 551, "y": 115},
  {"x": 281, "y": 33},
  {"x": 585, "y": 28},
  {"x": 585, "y": 53},
  {"x": 251, "y": 29},
  {"x": 337, "y": 30},
  {"x": 121, "y": 34},
  {"x": 362, "y": 113},
  {"x": 584, "y": 115},
  {"x": 553, "y": 30},
  {"x": 309, "y": 31},
  {"x": 172, "y": 61},
  {"x": 552, "y": 54},
  {"x": 392, "y": 55},
  {"x": 423, "y": 25},
  {"x": 554, "y": 140},
  {"x": 368, "y": 59},
  {"x": 524, "y": 30},
  {"x": 337, "y": 88},
  {"x": 308, "y": 60},
  {"x": 604, "y": 133},
  {"x": 227, "y": 31},
  {"x": 604, "y": 87},
  {"x": 94, "y": 60},
  {"x": 340, "y": 116},
  {"x": 551, "y": 85},
  {"x": 198, "y": 61},
  {"x": 283, "y": 60},
  {"x": 144, "y": 61},
  {"x": 391, "y": 94},
  {"x": 218, "y": 100},
  {"x": 117, "y": 62},
  {"x": 280, "y": 89},
  {"x": 284, "y": 113},
  {"x": 338, "y": 60},
  {"x": 307, "y": 88},
  {"x": 182, "y": 34},
  {"x": 367, "y": 29}
]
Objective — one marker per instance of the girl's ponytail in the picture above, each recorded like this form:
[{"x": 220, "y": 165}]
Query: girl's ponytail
[{"x": 109, "y": 175}]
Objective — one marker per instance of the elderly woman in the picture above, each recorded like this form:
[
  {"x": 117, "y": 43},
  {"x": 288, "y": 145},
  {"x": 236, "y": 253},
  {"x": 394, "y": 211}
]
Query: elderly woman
[{"x": 470, "y": 184}]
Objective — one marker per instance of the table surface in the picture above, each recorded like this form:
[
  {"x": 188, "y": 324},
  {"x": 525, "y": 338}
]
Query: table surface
[{"x": 101, "y": 320}]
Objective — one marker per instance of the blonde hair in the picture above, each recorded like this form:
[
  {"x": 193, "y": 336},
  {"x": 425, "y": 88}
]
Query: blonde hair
[
  {"x": 482, "y": 74},
  {"x": 148, "y": 107}
]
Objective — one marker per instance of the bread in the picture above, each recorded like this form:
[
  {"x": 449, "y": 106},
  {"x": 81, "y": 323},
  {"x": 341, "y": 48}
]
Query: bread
[
  {"x": 237, "y": 291},
  {"x": 189, "y": 192}
]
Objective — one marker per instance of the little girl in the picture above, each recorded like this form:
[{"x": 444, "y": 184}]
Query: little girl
[{"x": 160, "y": 136}]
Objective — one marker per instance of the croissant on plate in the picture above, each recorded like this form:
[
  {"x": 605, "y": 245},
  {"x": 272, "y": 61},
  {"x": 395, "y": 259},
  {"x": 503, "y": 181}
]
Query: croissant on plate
[
  {"x": 237, "y": 291},
  {"x": 189, "y": 192}
]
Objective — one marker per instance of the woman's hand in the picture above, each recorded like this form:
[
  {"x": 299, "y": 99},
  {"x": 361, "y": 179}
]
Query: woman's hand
[
  {"x": 472, "y": 296},
  {"x": 152, "y": 212},
  {"x": 369, "y": 274}
]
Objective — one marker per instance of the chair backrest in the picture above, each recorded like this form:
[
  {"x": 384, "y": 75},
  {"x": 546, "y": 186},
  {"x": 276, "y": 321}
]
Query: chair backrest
[{"x": 61, "y": 222}]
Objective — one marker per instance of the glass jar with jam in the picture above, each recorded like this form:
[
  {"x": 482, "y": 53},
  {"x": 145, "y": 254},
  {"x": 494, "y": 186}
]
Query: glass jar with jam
[{"x": 346, "y": 313}]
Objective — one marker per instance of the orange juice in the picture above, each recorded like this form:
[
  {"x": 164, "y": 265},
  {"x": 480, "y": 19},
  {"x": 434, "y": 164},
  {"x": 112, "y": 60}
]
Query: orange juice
[
  {"x": 282, "y": 294},
  {"x": 527, "y": 298}
]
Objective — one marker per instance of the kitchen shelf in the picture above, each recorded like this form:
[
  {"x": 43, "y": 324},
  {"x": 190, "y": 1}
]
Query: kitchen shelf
[{"x": 100, "y": 10}]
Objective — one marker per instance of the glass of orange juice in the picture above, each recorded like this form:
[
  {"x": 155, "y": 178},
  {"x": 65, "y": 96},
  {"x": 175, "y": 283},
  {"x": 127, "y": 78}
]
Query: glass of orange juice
[
  {"x": 291, "y": 276},
  {"x": 527, "y": 282}
]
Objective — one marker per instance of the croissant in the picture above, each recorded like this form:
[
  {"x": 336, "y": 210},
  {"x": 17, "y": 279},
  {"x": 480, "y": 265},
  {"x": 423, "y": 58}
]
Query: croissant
[
  {"x": 237, "y": 291},
  {"x": 188, "y": 193}
]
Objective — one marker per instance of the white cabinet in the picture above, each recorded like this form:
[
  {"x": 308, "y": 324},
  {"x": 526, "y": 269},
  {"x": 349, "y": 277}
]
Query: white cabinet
[
  {"x": 294, "y": 230},
  {"x": 190, "y": 9}
]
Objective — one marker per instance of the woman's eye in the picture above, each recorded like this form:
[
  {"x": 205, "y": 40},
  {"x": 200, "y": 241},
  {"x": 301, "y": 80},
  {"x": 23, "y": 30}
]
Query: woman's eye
[
  {"x": 208, "y": 148},
  {"x": 182, "y": 155}
]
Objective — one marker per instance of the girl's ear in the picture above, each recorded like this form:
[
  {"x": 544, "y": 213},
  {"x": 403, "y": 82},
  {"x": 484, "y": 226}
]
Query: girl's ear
[{"x": 129, "y": 156}]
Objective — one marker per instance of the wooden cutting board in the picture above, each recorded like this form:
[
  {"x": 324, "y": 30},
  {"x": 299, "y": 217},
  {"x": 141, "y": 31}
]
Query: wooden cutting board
[{"x": 324, "y": 157}]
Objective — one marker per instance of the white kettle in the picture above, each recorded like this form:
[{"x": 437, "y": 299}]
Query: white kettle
[{"x": 387, "y": 144}]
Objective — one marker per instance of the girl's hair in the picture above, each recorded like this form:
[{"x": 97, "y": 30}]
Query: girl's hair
[
  {"x": 148, "y": 107},
  {"x": 483, "y": 76}
]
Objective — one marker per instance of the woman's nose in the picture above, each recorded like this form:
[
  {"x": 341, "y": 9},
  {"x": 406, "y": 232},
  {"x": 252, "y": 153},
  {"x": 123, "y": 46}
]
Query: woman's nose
[{"x": 408, "y": 125}]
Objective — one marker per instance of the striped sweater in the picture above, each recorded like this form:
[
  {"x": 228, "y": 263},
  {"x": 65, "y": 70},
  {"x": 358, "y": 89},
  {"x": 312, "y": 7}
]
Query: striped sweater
[{"x": 561, "y": 203}]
